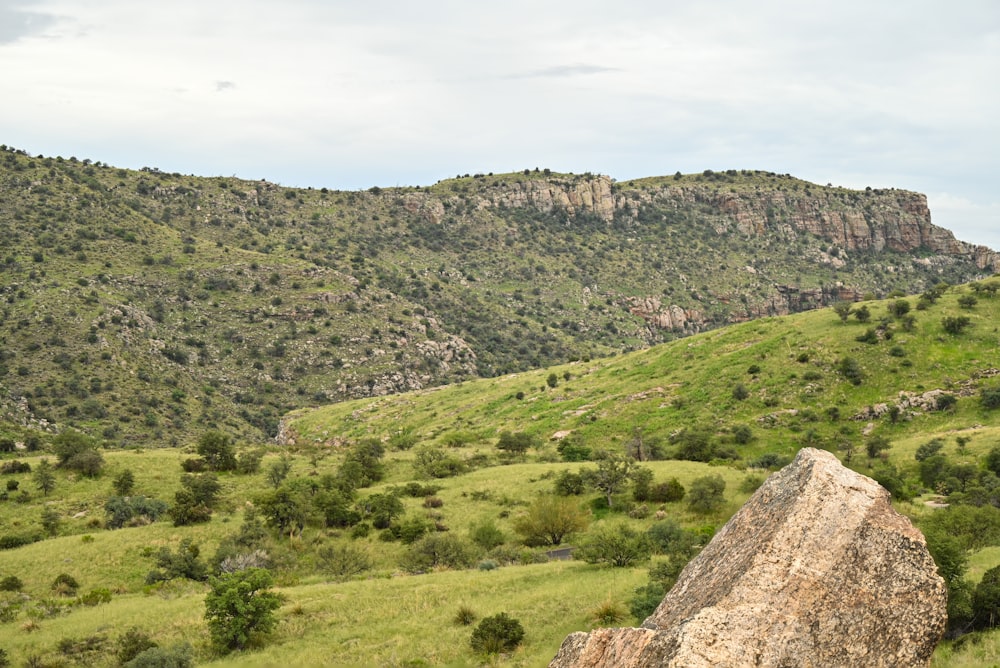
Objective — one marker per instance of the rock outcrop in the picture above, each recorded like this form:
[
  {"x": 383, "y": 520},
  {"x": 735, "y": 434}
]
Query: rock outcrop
[{"x": 816, "y": 569}]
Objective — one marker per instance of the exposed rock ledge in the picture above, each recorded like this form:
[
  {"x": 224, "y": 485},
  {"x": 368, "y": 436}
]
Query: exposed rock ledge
[{"x": 816, "y": 569}]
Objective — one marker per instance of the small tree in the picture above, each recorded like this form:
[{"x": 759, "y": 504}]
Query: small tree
[
  {"x": 875, "y": 445},
  {"x": 240, "y": 608},
  {"x": 955, "y": 325},
  {"x": 967, "y": 301},
  {"x": 216, "y": 449},
  {"x": 612, "y": 474},
  {"x": 899, "y": 308},
  {"x": 45, "y": 478},
  {"x": 843, "y": 309},
  {"x": 124, "y": 483},
  {"x": 552, "y": 380},
  {"x": 863, "y": 314},
  {"x": 496, "y": 634},
  {"x": 619, "y": 545},
  {"x": 550, "y": 519},
  {"x": 516, "y": 443},
  {"x": 706, "y": 494},
  {"x": 986, "y": 600}
]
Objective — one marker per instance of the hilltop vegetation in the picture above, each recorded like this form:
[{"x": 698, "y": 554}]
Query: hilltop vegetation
[
  {"x": 394, "y": 525},
  {"x": 145, "y": 308}
]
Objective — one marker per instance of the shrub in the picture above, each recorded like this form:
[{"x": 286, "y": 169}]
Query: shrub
[
  {"x": 15, "y": 466},
  {"x": 65, "y": 585},
  {"x": 667, "y": 492},
  {"x": 706, "y": 494},
  {"x": 179, "y": 655},
  {"x": 989, "y": 398},
  {"x": 569, "y": 483},
  {"x": 437, "y": 550},
  {"x": 487, "y": 535},
  {"x": 496, "y": 634},
  {"x": 11, "y": 583},
  {"x": 131, "y": 644},
  {"x": 240, "y": 608},
  {"x": 96, "y": 597},
  {"x": 851, "y": 370},
  {"x": 740, "y": 392},
  {"x": 608, "y": 613},
  {"x": 344, "y": 561},
  {"x": 216, "y": 449},
  {"x": 464, "y": 616},
  {"x": 549, "y": 520},
  {"x": 132, "y": 511},
  {"x": 619, "y": 545},
  {"x": 955, "y": 324}
]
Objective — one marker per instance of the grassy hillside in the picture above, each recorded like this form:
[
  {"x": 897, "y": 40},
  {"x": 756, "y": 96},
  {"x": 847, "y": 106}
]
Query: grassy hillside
[
  {"x": 144, "y": 307},
  {"x": 794, "y": 392}
]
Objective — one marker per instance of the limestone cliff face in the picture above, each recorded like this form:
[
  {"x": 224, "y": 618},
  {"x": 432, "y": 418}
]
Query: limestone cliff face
[{"x": 816, "y": 569}]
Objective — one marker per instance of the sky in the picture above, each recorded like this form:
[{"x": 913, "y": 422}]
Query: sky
[{"x": 349, "y": 95}]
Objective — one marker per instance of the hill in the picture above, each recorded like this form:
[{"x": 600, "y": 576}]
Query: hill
[
  {"x": 145, "y": 308},
  {"x": 731, "y": 402}
]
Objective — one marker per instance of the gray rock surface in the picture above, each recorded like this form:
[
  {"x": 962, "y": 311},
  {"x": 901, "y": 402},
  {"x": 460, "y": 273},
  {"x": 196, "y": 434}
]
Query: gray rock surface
[{"x": 816, "y": 569}]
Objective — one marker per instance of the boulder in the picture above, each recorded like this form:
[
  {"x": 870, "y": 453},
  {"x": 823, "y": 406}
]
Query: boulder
[{"x": 816, "y": 569}]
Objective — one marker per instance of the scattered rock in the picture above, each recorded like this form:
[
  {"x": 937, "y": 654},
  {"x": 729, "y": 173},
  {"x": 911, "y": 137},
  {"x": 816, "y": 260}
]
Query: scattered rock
[{"x": 816, "y": 569}]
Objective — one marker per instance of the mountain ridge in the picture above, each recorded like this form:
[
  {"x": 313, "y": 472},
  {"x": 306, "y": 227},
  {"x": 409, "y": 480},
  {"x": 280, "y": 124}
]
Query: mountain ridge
[{"x": 140, "y": 304}]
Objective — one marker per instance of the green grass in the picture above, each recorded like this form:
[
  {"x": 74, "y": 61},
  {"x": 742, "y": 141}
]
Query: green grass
[{"x": 386, "y": 617}]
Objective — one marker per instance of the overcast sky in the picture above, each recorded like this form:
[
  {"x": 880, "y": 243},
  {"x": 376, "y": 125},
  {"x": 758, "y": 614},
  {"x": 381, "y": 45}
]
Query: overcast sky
[{"x": 348, "y": 95}]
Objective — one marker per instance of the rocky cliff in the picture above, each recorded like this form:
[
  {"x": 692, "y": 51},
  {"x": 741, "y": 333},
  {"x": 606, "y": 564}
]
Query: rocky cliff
[
  {"x": 816, "y": 569},
  {"x": 854, "y": 220}
]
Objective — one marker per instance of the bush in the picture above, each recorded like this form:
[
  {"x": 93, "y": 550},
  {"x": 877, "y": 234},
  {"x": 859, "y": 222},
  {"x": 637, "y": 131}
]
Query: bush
[
  {"x": 989, "y": 398},
  {"x": 11, "y": 583},
  {"x": 487, "y": 535},
  {"x": 124, "y": 511},
  {"x": 706, "y": 494},
  {"x": 216, "y": 449},
  {"x": 572, "y": 450},
  {"x": 608, "y": 613},
  {"x": 343, "y": 561},
  {"x": 179, "y": 655},
  {"x": 464, "y": 616},
  {"x": 667, "y": 492},
  {"x": 131, "y": 644},
  {"x": 240, "y": 608},
  {"x": 65, "y": 585},
  {"x": 437, "y": 550},
  {"x": 496, "y": 634},
  {"x": 619, "y": 545},
  {"x": 740, "y": 392},
  {"x": 569, "y": 483},
  {"x": 15, "y": 466},
  {"x": 955, "y": 324},
  {"x": 851, "y": 370}
]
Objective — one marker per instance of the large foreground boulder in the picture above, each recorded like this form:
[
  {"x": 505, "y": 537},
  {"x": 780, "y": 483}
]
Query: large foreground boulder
[{"x": 816, "y": 569}]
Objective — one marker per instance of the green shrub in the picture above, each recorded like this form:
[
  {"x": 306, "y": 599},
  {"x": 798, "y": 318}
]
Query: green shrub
[
  {"x": 989, "y": 398},
  {"x": 179, "y": 655},
  {"x": 496, "y": 634},
  {"x": 464, "y": 616},
  {"x": 240, "y": 608},
  {"x": 131, "y": 644},
  {"x": 65, "y": 585},
  {"x": 11, "y": 583},
  {"x": 706, "y": 494},
  {"x": 667, "y": 492},
  {"x": 437, "y": 550}
]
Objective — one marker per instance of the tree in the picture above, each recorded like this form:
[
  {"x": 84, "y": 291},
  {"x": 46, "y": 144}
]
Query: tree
[
  {"x": 694, "y": 444},
  {"x": 50, "y": 520},
  {"x": 706, "y": 494},
  {"x": 863, "y": 314},
  {"x": 552, "y": 380},
  {"x": 843, "y": 309},
  {"x": 286, "y": 508},
  {"x": 77, "y": 451},
  {"x": 549, "y": 520},
  {"x": 516, "y": 443},
  {"x": 851, "y": 370},
  {"x": 45, "y": 479},
  {"x": 619, "y": 545},
  {"x": 986, "y": 600},
  {"x": 611, "y": 475},
  {"x": 967, "y": 301},
  {"x": 124, "y": 483},
  {"x": 437, "y": 550},
  {"x": 278, "y": 471},
  {"x": 216, "y": 449},
  {"x": 955, "y": 325},
  {"x": 875, "y": 445},
  {"x": 240, "y": 608},
  {"x": 899, "y": 308}
]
